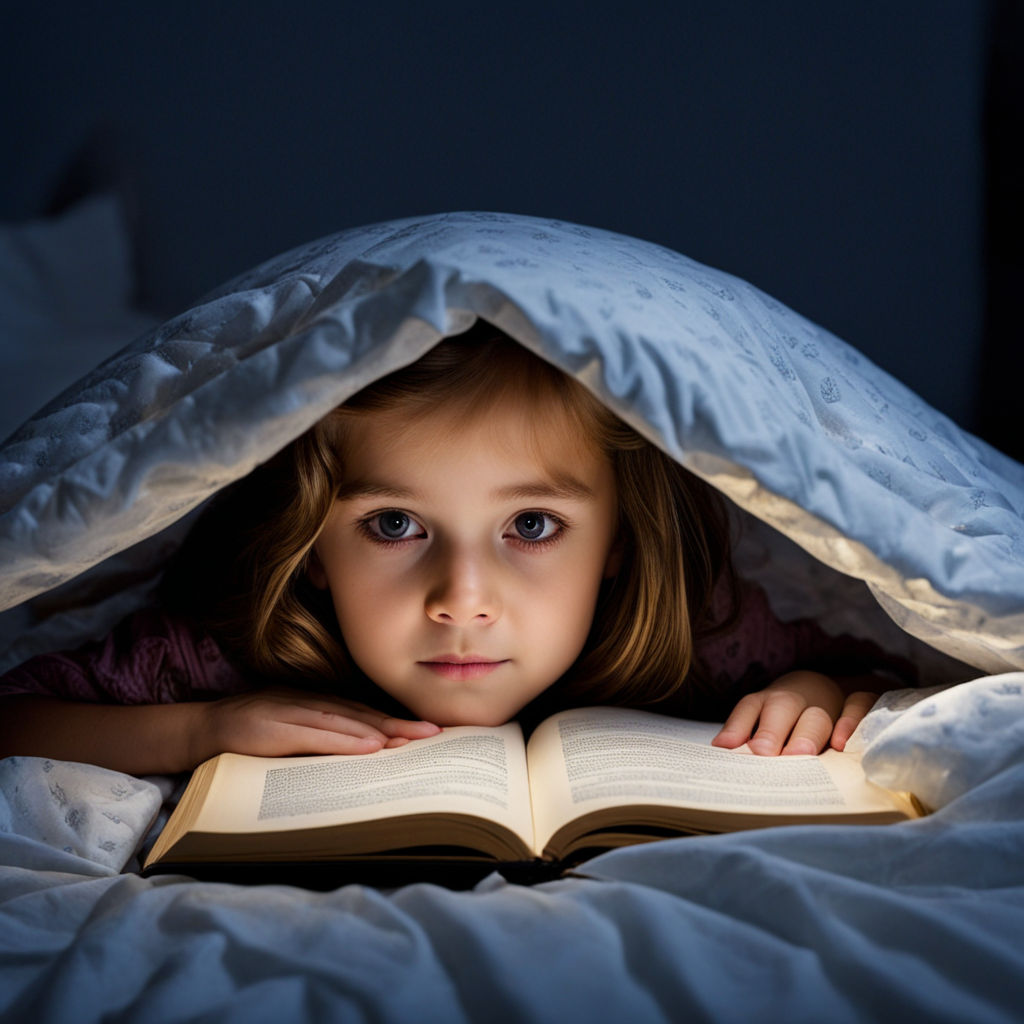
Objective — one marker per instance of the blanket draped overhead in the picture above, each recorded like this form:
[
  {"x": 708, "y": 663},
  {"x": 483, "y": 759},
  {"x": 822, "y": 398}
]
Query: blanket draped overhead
[{"x": 797, "y": 428}]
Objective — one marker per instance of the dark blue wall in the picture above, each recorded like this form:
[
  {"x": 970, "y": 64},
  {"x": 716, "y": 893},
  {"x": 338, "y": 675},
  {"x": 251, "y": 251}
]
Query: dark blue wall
[{"x": 830, "y": 153}]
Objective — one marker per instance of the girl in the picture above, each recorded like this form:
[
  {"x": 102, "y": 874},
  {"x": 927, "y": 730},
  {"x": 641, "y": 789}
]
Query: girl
[{"x": 470, "y": 538}]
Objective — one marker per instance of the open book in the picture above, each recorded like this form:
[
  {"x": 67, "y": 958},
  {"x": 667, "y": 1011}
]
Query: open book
[{"x": 588, "y": 780}]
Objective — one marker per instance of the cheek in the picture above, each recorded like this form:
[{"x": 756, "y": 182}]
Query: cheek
[
  {"x": 373, "y": 610},
  {"x": 575, "y": 588},
  {"x": 355, "y": 576},
  {"x": 562, "y": 621},
  {"x": 361, "y": 608}
]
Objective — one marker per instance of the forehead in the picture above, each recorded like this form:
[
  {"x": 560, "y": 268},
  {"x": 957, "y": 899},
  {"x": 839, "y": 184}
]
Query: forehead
[{"x": 533, "y": 428}]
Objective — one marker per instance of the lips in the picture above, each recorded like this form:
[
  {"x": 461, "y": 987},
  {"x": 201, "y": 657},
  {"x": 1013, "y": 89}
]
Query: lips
[{"x": 462, "y": 666}]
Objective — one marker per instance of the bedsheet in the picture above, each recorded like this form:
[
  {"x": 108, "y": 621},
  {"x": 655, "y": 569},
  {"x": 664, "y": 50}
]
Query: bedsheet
[{"x": 917, "y": 921}]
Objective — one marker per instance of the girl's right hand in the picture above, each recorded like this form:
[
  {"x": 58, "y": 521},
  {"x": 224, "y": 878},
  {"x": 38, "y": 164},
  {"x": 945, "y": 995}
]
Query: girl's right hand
[{"x": 283, "y": 722}]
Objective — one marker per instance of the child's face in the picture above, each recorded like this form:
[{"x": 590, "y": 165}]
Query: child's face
[{"x": 464, "y": 560}]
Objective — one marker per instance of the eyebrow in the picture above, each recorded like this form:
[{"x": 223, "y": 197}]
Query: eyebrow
[
  {"x": 564, "y": 487},
  {"x": 370, "y": 489}
]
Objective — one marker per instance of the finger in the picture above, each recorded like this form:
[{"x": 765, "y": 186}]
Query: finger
[
  {"x": 810, "y": 733},
  {"x": 374, "y": 725},
  {"x": 405, "y": 728},
  {"x": 291, "y": 740},
  {"x": 740, "y": 724},
  {"x": 331, "y": 721},
  {"x": 353, "y": 711},
  {"x": 388, "y": 725},
  {"x": 780, "y": 713},
  {"x": 857, "y": 705},
  {"x": 335, "y": 705}
]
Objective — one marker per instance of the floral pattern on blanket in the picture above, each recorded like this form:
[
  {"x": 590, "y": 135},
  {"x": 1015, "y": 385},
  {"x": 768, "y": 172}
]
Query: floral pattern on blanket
[{"x": 89, "y": 812}]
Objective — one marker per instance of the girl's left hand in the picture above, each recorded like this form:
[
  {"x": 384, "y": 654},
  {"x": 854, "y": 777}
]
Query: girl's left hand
[{"x": 800, "y": 713}]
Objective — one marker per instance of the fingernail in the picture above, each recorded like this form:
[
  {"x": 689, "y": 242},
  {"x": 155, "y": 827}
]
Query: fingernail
[{"x": 801, "y": 747}]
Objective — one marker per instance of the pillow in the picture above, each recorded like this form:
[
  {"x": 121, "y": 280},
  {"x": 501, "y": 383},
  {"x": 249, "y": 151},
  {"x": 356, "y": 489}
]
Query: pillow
[
  {"x": 66, "y": 287},
  {"x": 793, "y": 425}
]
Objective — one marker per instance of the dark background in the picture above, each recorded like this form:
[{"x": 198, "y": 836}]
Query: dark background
[{"x": 852, "y": 160}]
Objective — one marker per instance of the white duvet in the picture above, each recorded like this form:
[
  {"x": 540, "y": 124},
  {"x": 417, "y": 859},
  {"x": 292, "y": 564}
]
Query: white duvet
[
  {"x": 861, "y": 505},
  {"x": 919, "y": 921}
]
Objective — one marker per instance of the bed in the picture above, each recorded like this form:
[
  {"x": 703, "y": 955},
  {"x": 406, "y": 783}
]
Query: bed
[{"x": 854, "y": 501}]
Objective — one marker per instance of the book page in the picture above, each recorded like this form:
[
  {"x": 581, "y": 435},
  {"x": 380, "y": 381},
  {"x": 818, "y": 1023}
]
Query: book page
[
  {"x": 590, "y": 758},
  {"x": 462, "y": 770}
]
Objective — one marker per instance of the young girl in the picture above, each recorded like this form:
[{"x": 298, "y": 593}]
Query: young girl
[{"x": 470, "y": 538}]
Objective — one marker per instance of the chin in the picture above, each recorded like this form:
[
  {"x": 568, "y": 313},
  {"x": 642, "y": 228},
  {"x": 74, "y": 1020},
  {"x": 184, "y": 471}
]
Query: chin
[{"x": 480, "y": 717}]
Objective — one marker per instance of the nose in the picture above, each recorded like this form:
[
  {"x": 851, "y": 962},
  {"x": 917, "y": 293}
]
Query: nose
[{"x": 463, "y": 590}]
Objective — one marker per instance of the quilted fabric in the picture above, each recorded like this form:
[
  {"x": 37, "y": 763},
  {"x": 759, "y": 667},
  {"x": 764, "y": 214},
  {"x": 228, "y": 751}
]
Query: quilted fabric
[{"x": 796, "y": 427}]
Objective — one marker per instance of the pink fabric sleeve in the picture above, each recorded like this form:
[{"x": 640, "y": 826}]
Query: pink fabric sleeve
[
  {"x": 759, "y": 647},
  {"x": 149, "y": 658}
]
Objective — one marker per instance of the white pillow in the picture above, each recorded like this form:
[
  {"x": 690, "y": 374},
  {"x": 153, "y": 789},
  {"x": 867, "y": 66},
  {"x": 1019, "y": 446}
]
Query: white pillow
[
  {"x": 796, "y": 427},
  {"x": 66, "y": 290}
]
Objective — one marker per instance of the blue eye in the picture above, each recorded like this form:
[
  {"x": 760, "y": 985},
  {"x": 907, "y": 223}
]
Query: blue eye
[
  {"x": 536, "y": 526},
  {"x": 392, "y": 525}
]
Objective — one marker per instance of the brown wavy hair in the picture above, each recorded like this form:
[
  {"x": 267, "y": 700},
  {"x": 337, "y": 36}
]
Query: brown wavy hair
[{"x": 242, "y": 571}]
